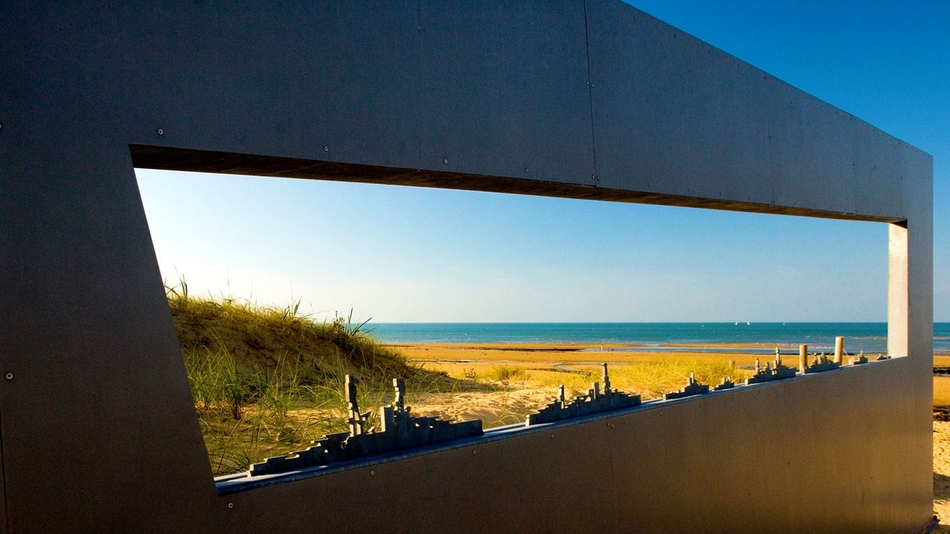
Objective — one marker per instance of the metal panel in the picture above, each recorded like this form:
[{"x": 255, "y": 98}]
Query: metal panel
[
  {"x": 98, "y": 429},
  {"x": 99, "y": 397},
  {"x": 715, "y": 464},
  {"x": 505, "y": 89},
  {"x": 686, "y": 119},
  {"x": 672, "y": 114},
  {"x": 875, "y": 166}
]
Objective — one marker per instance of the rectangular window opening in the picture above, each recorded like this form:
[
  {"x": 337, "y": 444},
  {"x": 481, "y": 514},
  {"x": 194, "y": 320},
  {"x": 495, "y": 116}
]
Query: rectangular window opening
[{"x": 484, "y": 304}]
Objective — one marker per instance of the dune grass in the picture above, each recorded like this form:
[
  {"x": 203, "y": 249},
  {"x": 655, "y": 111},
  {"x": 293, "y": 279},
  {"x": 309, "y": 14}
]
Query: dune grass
[
  {"x": 262, "y": 337},
  {"x": 268, "y": 380}
]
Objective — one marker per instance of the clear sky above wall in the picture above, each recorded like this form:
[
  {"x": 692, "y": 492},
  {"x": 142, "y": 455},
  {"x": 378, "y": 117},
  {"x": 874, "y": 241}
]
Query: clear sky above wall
[{"x": 416, "y": 255}]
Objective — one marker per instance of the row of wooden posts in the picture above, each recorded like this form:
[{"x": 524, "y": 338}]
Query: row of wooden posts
[{"x": 803, "y": 354}]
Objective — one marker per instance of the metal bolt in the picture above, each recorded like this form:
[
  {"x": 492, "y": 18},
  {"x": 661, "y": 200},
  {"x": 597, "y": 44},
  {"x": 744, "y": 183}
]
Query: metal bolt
[
  {"x": 8, "y": 376},
  {"x": 230, "y": 505},
  {"x": 445, "y": 161},
  {"x": 372, "y": 473},
  {"x": 526, "y": 170},
  {"x": 326, "y": 148},
  {"x": 160, "y": 131},
  {"x": 474, "y": 453}
]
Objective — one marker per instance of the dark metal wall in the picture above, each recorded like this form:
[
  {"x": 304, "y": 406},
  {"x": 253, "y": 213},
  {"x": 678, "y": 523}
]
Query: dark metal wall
[
  {"x": 591, "y": 100},
  {"x": 767, "y": 459}
]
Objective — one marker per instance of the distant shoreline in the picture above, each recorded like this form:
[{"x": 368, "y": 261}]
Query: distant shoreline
[
  {"x": 552, "y": 354},
  {"x": 595, "y": 348},
  {"x": 758, "y": 338}
]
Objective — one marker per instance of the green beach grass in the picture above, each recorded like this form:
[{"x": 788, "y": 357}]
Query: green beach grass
[{"x": 269, "y": 380}]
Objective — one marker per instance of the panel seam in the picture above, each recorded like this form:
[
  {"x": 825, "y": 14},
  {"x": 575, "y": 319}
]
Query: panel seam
[{"x": 590, "y": 101}]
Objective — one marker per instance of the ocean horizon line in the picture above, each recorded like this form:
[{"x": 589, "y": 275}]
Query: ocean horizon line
[
  {"x": 636, "y": 322},
  {"x": 869, "y": 337}
]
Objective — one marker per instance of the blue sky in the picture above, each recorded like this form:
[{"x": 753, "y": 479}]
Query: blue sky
[{"x": 397, "y": 254}]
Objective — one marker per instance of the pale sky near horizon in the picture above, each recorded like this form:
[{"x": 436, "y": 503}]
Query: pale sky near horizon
[{"x": 398, "y": 254}]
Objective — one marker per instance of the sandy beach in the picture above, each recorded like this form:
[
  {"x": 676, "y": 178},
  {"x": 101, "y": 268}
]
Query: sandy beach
[
  {"x": 450, "y": 357},
  {"x": 506, "y": 381}
]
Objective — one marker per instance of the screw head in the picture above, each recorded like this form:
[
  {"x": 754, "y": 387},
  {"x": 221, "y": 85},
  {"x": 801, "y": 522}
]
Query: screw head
[
  {"x": 326, "y": 148},
  {"x": 230, "y": 505},
  {"x": 445, "y": 161},
  {"x": 372, "y": 473},
  {"x": 8, "y": 376},
  {"x": 474, "y": 453},
  {"x": 160, "y": 131}
]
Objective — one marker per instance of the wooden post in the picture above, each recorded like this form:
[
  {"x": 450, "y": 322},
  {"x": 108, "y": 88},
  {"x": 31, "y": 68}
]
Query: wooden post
[
  {"x": 839, "y": 348},
  {"x": 802, "y": 358}
]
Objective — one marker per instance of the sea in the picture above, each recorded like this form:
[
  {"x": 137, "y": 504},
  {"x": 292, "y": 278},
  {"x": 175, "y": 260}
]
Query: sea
[{"x": 870, "y": 338}]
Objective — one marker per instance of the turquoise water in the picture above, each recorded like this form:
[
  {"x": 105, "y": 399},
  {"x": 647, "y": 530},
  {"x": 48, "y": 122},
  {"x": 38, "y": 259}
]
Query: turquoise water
[{"x": 869, "y": 337}]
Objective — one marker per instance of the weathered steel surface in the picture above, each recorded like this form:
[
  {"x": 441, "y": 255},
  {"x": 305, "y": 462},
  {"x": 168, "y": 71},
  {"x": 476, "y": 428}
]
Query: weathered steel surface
[{"x": 589, "y": 100}]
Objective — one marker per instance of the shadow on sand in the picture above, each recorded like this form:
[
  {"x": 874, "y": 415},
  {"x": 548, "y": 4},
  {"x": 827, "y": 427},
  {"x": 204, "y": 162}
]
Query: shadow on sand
[{"x": 942, "y": 492}]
